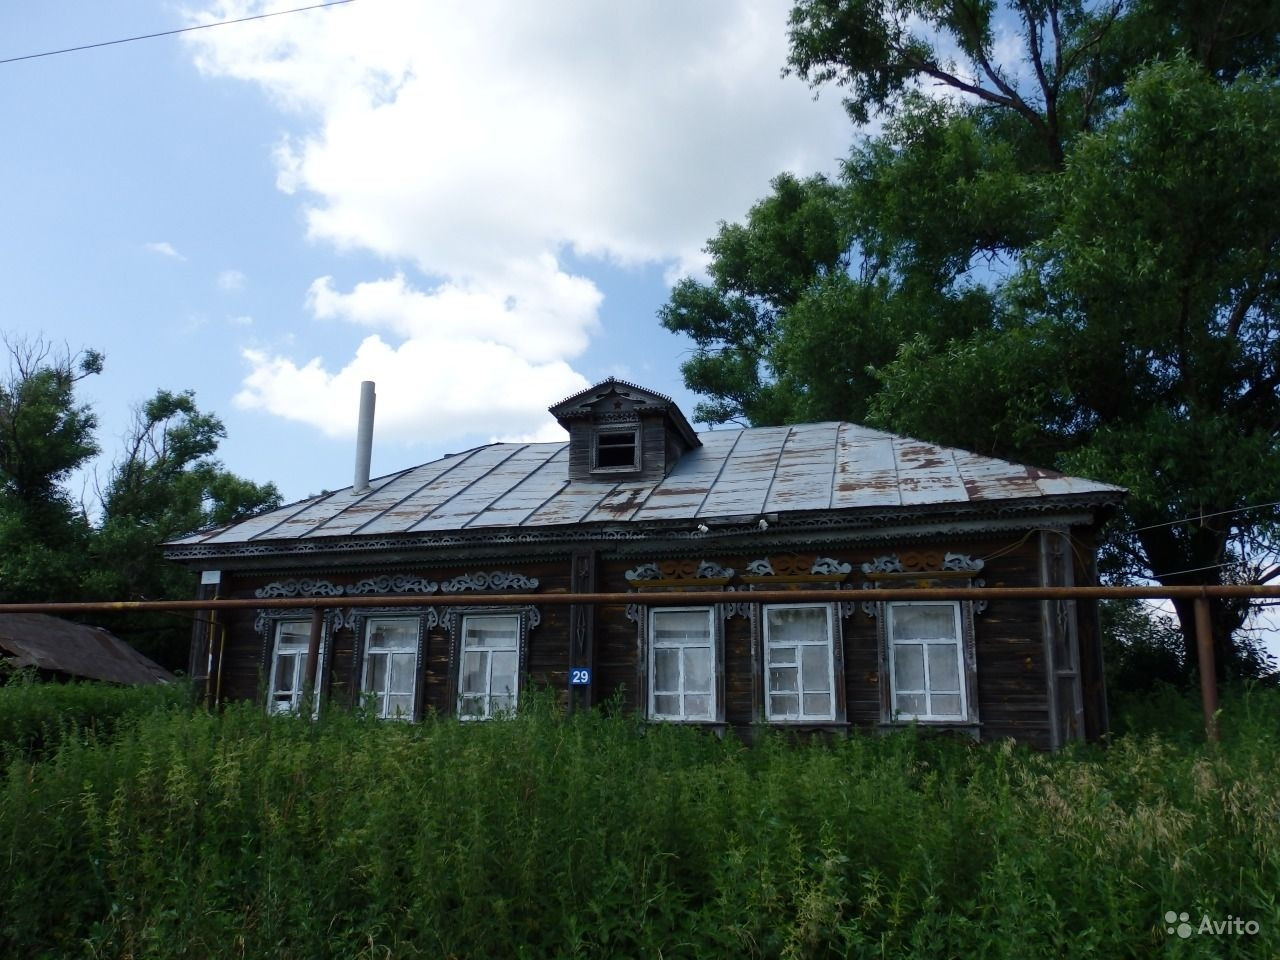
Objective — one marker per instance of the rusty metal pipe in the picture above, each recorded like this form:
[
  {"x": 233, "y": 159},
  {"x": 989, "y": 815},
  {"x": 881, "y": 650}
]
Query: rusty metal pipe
[{"x": 656, "y": 597}]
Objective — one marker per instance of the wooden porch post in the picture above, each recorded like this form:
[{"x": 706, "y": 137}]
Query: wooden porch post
[{"x": 1208, "y": 675}]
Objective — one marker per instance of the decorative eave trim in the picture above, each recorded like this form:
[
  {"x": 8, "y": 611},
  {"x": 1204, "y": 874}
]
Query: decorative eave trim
[{"x": 814, "y": 529}]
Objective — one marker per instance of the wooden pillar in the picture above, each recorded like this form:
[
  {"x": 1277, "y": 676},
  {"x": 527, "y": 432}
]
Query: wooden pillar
[
  {"x": 582, "y": 636},
  {"x": 1208, "y": 673}
]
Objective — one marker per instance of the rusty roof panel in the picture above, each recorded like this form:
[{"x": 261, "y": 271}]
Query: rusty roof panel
[
  {"x": 537, "y": 488},
  {"x": 484, "y": 486},
  {"x": 808, "y": 462},
  {"x": 681, "y": 494},
  {"x": 866, "y": 473},
  {"x": 927, "y": 474},
  {"x": 571, "y": 504},
  {"x": 443, "y": 479},
  {"x": 622, "y": 502}
]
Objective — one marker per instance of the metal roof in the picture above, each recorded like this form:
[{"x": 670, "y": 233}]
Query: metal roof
[
  {"x": 735, "y": 473},
  {"x": 50, "y": 643}
]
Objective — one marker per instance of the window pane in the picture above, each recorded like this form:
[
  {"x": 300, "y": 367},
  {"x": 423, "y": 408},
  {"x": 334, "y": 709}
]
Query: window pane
[
  {"x": 789, "y": 624},
  {"x": 943, "y": 669},
  {"x": 293, "y": 633},
  {"x": 397, "y": 633},
  {"x": 401, "y": 673},
  {"x": 945, "y": 704},
  {"x": 375, "y": 676},
  {"x": 666, "y": 670},
  {"x": 697, "y": 669},
  {"x": 786, "y": 705},
  {"x": 698, "y": 706},
  {"x": 782, "y": 680},
  {"x": 472, "y": 707},
  {"x": 815, "y": 664},
  {"x": 284, "y": 673},
  {"x": 666, "y": 704},
  {"x": 399, "y": 706},
  {"x": 475, "y": 672},
  {"x": 506, "y": 704},
  {"x": 489, "y": 632},
  {"x": 908, "y": 666},
  {"x": 782, "y": 654},
  {"x": 673, "y": 626},
  {"x": 910, "y": 704},
  {"x": 919, "y": 621},
  {"x": 817, "y": 704}
]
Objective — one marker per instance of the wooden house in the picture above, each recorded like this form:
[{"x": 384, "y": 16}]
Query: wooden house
[{"x": 636, "y": 501}]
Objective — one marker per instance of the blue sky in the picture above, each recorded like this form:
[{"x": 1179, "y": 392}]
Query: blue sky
[{"x": 480, "y": 206}]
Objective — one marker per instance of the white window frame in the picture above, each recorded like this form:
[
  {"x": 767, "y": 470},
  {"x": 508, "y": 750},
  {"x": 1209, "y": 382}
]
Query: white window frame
[
  {"x": 712, "y": 713},
  {"x": 486, "y": 698},
  {"x": 297, "y": 654},
  {"x": 382, "y": 698},
  {"x": 827, "y": 642},
  {"x": 957, "y": 640}
]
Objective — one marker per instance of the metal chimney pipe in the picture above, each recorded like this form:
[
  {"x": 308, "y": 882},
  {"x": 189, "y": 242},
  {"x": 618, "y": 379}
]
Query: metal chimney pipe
[{"x": 364, "y": 437}]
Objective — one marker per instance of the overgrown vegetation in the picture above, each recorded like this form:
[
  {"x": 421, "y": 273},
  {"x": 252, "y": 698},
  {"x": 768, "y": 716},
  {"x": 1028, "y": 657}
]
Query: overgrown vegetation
[{"x": 193, "y": 834}]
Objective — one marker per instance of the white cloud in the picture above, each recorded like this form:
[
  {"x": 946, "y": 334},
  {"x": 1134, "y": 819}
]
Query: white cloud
[
  {"x": 231, "y": 281},
  {"x": 164, "y": 249},
  {"x": 428, "y": 389},
  {"x": 241, "y": 321},
  {"x": 471, "y": 144}
]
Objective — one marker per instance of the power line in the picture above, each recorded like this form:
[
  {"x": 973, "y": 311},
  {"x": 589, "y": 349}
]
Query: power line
[
  {"x": 1204, "y": 516},
  {"x": 170, "y": 33}
]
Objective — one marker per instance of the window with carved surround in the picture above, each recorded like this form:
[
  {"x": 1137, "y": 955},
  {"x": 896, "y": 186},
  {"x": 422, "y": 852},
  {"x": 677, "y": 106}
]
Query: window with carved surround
[
  {"x": 799, "y": 644},
  {"x": 926, "y": 660},
  {"x": 682, "y": 664},
  {"x": 927, "y": 647},
  {"x": 488, "y": 640},
  {"x": 390, "y": 670},
  {"x": 287, "y": 681},
  {"x": 489, "y": 668}
]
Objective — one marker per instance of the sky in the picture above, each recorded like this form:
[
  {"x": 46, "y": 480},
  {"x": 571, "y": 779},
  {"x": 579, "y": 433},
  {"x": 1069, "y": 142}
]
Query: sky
[{"x": 479, "y": 206}]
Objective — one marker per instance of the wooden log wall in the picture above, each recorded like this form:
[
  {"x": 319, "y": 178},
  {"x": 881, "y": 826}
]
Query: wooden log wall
[{"x": 1011, "y": 670}]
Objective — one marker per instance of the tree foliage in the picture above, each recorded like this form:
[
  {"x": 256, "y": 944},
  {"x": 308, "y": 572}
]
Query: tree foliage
[
  {"x": 166, "y": 483},
  {"x": 1062, "y": 247}
]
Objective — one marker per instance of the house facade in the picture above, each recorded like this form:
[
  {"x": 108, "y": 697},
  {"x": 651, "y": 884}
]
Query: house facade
[{"x": 637, "y": 502}]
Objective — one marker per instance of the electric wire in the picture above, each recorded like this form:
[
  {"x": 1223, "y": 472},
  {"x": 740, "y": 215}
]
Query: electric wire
[{"x": 170, "y": 33}]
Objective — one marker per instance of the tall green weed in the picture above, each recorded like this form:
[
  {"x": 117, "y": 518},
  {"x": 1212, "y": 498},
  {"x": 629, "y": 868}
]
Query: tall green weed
[{"x": 189, "y": 834}]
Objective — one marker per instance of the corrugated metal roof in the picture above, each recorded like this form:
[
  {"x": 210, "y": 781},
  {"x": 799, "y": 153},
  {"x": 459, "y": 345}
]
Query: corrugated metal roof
[
  {"x": 735, "y": 473},
  {"x": 51, "y": 643}
]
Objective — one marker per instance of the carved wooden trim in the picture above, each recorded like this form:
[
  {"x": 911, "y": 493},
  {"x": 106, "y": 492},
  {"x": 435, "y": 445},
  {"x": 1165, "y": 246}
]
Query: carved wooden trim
[{"x": 679, "y": 573}]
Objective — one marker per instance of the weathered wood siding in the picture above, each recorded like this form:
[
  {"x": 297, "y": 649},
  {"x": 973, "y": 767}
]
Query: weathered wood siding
[{"x": 1012, "y": 682}]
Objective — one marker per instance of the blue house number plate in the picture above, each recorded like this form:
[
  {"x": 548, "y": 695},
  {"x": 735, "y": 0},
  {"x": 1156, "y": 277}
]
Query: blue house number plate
[{"x": 579, "y": 676}]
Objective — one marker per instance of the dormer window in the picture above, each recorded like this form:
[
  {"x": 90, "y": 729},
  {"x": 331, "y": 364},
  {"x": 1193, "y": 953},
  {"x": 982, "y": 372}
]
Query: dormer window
[
  {"x": 618, "y": 430},
  {"x": 617, "y": 450}
]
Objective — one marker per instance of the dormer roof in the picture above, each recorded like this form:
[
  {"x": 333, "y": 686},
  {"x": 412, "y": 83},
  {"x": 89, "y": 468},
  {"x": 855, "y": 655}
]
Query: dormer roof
[{"x": 597, "y": 400}]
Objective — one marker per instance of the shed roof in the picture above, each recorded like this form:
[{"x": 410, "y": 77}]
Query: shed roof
[
  {"x": 760, "y": 471},
  {"x": 51, "y": 643}
]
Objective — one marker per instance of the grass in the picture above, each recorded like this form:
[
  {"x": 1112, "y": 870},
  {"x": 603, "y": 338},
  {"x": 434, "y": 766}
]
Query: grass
[{"x": 180, "y": 833}]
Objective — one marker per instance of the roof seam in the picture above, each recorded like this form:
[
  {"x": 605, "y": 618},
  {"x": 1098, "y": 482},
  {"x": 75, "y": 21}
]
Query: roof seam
[
  {"x": 465, "y": 487},
  {"x": 773, "y": 477},
  {"x": 719, "y": 473},
  {"x": 418, "y": 489},
  {"x": 526, "y": 478}
]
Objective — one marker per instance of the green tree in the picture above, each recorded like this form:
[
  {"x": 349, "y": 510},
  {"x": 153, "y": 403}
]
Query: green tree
[
  {"x": 167, "y": 483},
  {"x": 45, "y": 435},
  {"x": 1070, "y": 259}
]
